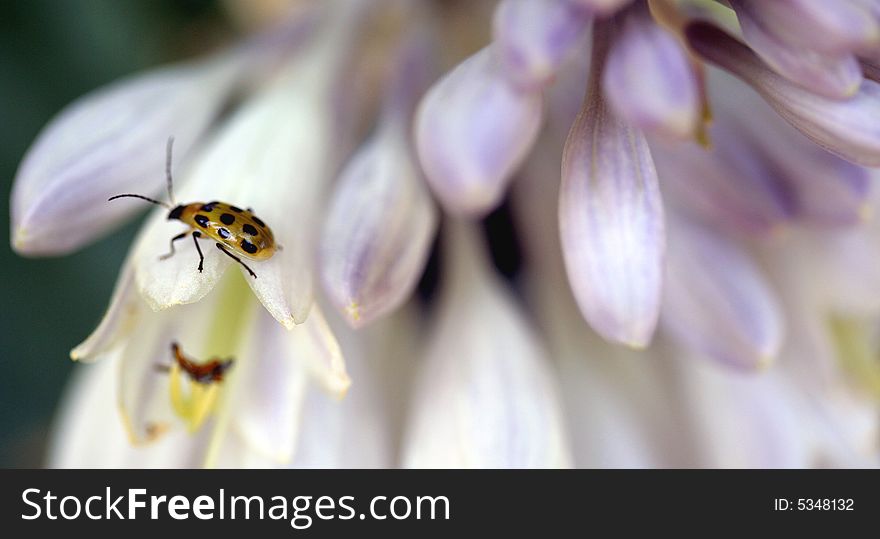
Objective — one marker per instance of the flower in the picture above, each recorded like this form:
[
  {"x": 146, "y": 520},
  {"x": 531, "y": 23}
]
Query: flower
[{"x": 697, "y": 264}]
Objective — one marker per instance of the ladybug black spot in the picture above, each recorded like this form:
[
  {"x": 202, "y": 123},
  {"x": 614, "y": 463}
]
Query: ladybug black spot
[
  {"x": 223, "y": 233},
  {"x": 227, "y": 218},
  {"x": 201, "y": 220},
  {"x": 248, "y": 247},
  {"x": 249, "y": 229},
  {"x": 258, "y": 221},
  {"x": 236, "y": 209}
]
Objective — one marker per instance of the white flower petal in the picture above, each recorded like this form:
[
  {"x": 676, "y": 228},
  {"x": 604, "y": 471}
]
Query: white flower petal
[
  {"x": 742, "y": 421},
  {"x": 109, "y": 142},
  {"x": 486, "y": 397},
  {"x": 270, "y": 390},
  {"x": 356, "y": 432},
  {"x": 175, "y": 280},
  {"x": 88, "y": 432},
  {"x": 120, "y": 319},
  {"x": 314, "y": 344}
]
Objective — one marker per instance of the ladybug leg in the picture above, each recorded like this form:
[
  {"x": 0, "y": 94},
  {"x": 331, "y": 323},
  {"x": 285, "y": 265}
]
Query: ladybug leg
[
  {"x": 175, "y": 238},
  {"x": 196, "y": 235},
  {"x": 232, "y": 256}
]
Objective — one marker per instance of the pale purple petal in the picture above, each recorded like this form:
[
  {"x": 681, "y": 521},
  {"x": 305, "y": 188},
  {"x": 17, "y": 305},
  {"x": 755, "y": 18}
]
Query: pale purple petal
[
  {"x": 836, "y": 75},
  {"x": 716, "y": 301},
  {"x": 109, "y": 142},
  {"x": 534, "y": 37},
  {"x": 849, "y": 128},
  {"x": 822, "y": 188},
  {"x": 602, "y": 7},
  {"x": 730, "y": 185},
  {"x": 611, "y": 222},
  {"x": 378, "y": 231},
  {"x": 381, "y": 218},
  {"x": 819, "y": 25},
  {"x": 649, "y": 81},
  {"x": 473, "y": 130}
]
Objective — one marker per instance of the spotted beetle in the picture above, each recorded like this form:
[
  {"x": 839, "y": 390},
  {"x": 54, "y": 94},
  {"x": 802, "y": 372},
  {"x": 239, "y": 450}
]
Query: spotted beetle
[
  {"x": 233, "y": 229},
  {"x": 202, "y": 373}
]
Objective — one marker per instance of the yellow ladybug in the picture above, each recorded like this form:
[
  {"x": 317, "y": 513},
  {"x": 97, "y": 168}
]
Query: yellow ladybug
[{"x": 234, "y": 229}]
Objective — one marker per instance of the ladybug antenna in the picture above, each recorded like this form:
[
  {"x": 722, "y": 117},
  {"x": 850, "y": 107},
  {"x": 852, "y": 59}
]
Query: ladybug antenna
[
  {"x": 168, "y": 147},
  {"x": 142, "y": 197}
]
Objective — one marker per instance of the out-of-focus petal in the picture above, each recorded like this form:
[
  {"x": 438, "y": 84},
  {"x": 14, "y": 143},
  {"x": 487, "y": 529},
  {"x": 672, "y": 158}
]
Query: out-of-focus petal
[
  {"x": 823, "y": 188},
  {"x": 618, "y": 402},
  {"x": 473, "y": 129},
  {"x": 716, "y": 301},
  {"x": 822, "y": 26},
  {"x": 534, "y": 37},
  {"x": 649, "y": 80},
  {"x": 730, "y": 186},
  {"x": 611, "y": 220},
  {"x": 109, "y": 142},
  {"x": 602, "y": 7},
  {"x": 485, "y": 397},
  {"x": 270, "y": 390},
  {"x": 88, "y": 432},
  {"x": 119, "y": 320},
  {"x": 381, "y": 218},
  {"x": 741, "y": 421},
  {"x": 378, "y": 231},
  {"x": 833, "y": 75},
  {"x": 357, "y": 431},
  {"x": 314, "y": 344},
  {"x": 849, "y": 128}
]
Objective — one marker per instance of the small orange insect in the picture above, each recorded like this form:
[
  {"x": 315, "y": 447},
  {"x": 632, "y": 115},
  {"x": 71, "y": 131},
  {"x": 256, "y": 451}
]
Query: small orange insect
[
  {"x": 234, "y": 229},
  {"x": 202, "y": 373}
]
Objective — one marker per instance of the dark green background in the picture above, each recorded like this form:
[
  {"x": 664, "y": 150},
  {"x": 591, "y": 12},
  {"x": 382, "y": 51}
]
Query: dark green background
[{"x": 52, "y": 51}]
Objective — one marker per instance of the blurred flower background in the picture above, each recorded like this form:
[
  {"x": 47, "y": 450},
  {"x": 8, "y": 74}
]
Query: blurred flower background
[{"x": 701, "y": 288}]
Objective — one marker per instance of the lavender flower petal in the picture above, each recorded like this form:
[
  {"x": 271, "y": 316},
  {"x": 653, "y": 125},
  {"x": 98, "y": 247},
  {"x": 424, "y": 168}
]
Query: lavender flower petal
[
  {"x": 381, "y": 218},
  {"x": 648, "y": 79},
  {"x": 611, "y": 221},
  {"x": 378, "y": 231},
  {"x": 602, "y": 7},
  {"x": 109, "y": 142},
  {"x": 473, "y": 129},
  {"x": 534, "y": 37},
  {"x": 730, "y": 186},
  {"x": 835, "y": 75},
  {"x": 849, "y": 128},
  {"x": 821, "y": 26},
  {"x": 716, "y": 301}
]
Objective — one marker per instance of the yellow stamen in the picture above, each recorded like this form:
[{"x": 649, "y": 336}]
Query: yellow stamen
[
  {"x": 193, "y": 406},
  {"x": 354, "y": 311}
]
